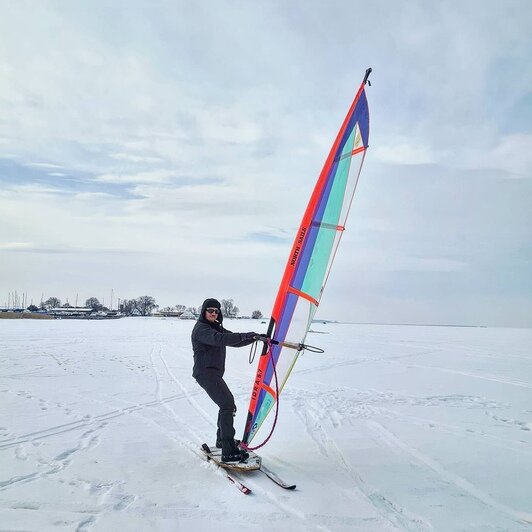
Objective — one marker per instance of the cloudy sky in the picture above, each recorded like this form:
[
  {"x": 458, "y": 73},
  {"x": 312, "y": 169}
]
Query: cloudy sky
[{"x": 169, "y": 148}]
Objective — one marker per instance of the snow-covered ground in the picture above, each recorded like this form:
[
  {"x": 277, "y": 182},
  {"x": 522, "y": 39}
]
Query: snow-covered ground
[{"x": 393, "y": 428}]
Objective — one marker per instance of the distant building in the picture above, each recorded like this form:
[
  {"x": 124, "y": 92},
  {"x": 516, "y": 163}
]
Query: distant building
[
  {"x": 187, "y": 315},
  {"x": 70, "y": 312},
  {"x": 83, "y": 313}
]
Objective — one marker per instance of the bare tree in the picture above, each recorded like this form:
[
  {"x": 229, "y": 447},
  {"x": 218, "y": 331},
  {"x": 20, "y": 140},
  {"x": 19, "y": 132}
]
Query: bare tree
[
  {"x": 52, "y": 302},
  {"x": 180, "y": 308},
  {"x": 256, "y": 314},
  {"x": 127, "y": 306},
  {"x": 145, "y": 305},
  {"x": 229, "y": 310},
  {"x": 93, "y": 303}
]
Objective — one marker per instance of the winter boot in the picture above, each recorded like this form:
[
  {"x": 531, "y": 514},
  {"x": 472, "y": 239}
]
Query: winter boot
[{"x": 235, "y": 456}]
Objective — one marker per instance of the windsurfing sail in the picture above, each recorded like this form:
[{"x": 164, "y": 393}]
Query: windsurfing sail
[{"x": 310, "y": 261}]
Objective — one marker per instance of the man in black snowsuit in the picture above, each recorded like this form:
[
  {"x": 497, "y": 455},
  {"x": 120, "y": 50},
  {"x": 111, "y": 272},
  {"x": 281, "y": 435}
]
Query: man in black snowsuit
[{"x": 209, "y": 340}]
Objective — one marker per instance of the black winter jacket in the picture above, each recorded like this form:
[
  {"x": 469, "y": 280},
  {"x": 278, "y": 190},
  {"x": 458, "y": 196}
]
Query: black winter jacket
[{"x": 209, "y": 340}]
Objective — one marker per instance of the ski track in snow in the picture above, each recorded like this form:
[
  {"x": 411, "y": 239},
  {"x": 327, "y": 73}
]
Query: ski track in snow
[
  {"x": 326, "y": 409},
  {"x": 334, "y": 406},
  {"x": 87, "y": 440},
  {"x": 191, "y": 441},
  {"x": 342, "y": 407},
  {"x": 188, "y": 396},
  {"x": 462, "y": 484},
  {"x": 259, "y": 487},
  {"x": 88, "y": 420},
  {"x": 399, "y": 517},
  {"x": 493, "y": 378}
]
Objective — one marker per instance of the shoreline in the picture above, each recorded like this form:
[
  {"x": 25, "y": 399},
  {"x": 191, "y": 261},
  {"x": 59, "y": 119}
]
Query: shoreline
[{"x": 24, "y": 315}]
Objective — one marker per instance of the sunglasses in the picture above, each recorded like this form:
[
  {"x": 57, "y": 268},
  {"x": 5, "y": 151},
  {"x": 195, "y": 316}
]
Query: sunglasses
[{"x": 212, "y": 310}]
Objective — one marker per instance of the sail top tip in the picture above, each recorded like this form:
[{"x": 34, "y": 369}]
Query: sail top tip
[{"x": 366, "y": 80}]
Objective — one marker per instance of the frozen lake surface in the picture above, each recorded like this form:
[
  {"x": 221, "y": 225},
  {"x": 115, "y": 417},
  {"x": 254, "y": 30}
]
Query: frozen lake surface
[{"x": 393, "y": 428}]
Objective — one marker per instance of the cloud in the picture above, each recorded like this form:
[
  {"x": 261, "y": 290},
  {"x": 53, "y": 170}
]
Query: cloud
[
  {"x": 30, "y": 247},
  {"x": 396, "y": 260},
  {"x": 146, "y": 159},
  {"x": 44, "y": 165},
  {"x": 186, "y": 135},
  {"x": 16, "y": 246},
  {"x": 154, "y": 176},
  {"x": 227, "y": 126},
  {"x": 513, "y": 154},
  {"x": 37, "y": 189},
  {"x": 403, "y": 153},
  {"x": 273, "y": 236}
]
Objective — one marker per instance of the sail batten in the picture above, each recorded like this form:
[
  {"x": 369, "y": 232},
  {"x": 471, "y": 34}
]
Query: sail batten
[{"x": 310, "y": 260}]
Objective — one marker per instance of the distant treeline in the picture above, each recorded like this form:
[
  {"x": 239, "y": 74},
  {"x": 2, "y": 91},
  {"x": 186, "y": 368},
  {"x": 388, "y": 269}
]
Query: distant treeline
[
  {"x": 142, "y": 306},
  {"x": 229, "y": 309}
]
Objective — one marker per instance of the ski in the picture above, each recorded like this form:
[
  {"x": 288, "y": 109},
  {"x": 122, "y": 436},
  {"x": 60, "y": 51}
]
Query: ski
[
  {"x": 253, "y": 463},
  {"x": 274, "y": 478},
  {"x": 242, "y": 487}
]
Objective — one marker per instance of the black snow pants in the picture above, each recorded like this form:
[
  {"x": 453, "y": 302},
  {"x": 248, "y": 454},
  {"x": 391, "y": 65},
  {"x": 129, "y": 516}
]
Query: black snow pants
[{"x": 218, "y": 391}]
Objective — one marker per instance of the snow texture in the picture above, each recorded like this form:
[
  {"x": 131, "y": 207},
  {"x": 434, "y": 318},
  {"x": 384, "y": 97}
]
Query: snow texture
[{"x": 393, "y": 428}]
